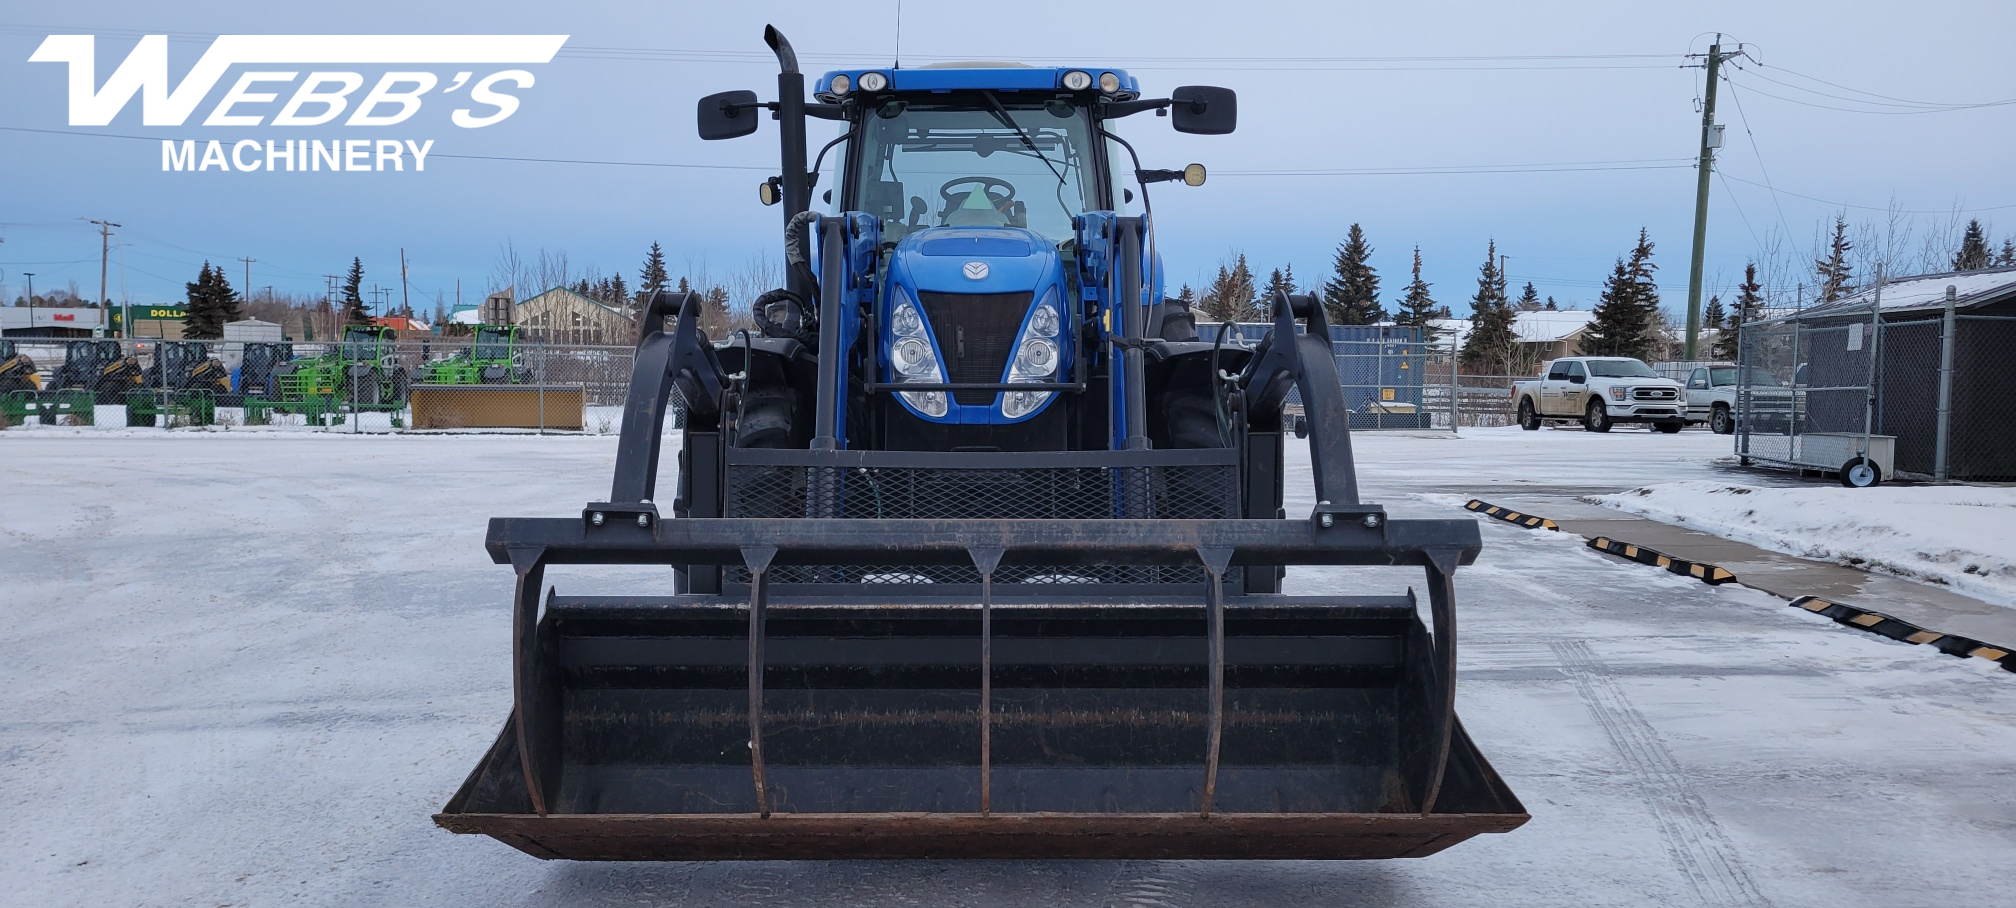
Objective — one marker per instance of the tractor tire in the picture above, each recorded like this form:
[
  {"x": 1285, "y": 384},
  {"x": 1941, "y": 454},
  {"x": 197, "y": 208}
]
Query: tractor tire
[
  {"x": 1596, "y": 418},
  {"x": 366, "y": 390},
  {"x": 1528, "y": 419},
  {"x": 1191, "y": 419},
  {"x": 767, "y": 418},
  {"x": 1669, "y": 427},
  {"x": 1721, "y": 422}
]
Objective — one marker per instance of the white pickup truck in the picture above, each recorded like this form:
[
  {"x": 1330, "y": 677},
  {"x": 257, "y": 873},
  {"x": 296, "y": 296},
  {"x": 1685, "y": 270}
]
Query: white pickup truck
[
  {"x": 1711, "y": 397},
  {"x": 1601, "y": 391}
]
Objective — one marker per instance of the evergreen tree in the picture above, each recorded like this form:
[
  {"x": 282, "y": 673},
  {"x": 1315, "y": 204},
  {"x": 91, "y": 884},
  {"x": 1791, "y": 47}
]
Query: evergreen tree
[
  {"x": 1279, "y": 282},
  {"x": 1833, "y": 271},
  {"x": 1616, "y": 318},
  {"x": 1492, "y": 343},
  {"x": 619, "y": 293},
  {"x": 2008, "y": 254},
  {"x": 1417, "y": 307},
  {"x": 1713, "y": 316},
  {"x": 1749, "y": 304},
  {"x": 653, "y": 277},
  {"x": 1351, "y": 296},
  {"x": 1550, "y": 305},
  {"x": 1974, "y": 254},
  {"x": 1187, "y": 296},
  {"x": 1626, "y": 320},
  {"x": 354, "y": 311},
  {"x": 211, "y": 304},
  {"x": 1529, "y": 299}
]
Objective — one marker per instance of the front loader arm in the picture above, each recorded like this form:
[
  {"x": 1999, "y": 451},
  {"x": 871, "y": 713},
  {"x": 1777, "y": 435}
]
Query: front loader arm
[
  {"x": 1286, "y": 358},
  {"x": 683, "y": 359}
]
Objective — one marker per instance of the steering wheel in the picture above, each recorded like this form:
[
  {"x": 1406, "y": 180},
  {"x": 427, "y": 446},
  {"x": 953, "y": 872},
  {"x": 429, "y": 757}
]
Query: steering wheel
[{"x": 989, "y": 184}]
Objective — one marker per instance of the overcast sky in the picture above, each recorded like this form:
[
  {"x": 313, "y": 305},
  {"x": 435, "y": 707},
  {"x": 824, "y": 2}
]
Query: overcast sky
[{"x": 1309, "y": 100}]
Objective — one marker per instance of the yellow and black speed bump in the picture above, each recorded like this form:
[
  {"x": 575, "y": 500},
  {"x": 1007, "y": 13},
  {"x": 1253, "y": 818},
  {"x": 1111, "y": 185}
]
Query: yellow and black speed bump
[
  {"x": 1508, "y": 515},
  {"x": 1711, "y": 574},
  {"x": 1902, "y": 630}
]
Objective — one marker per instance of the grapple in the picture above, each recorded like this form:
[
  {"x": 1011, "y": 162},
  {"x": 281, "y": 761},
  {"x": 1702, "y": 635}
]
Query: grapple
[{"x": 983, "y": 655}]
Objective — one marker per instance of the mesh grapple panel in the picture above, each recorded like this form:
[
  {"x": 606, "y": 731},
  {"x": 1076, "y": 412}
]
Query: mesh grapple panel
[{"x": 1203, "y": 491}]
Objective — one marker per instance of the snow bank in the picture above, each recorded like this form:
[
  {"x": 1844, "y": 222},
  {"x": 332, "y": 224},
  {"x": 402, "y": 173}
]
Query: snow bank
[{"x": 1961, "y": 537}]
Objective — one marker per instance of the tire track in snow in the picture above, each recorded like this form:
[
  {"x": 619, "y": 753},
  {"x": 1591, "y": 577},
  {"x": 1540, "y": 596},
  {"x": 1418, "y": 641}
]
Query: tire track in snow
[
  {"x": 1152, "y": 884},
  {"x": 1700, "y": 849}
]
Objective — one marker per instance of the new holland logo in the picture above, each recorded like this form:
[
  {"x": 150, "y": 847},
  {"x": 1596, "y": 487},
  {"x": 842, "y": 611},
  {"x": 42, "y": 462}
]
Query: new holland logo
[
  {"x": 976, "y": 271},
  {"x": 319, "y": 95}
]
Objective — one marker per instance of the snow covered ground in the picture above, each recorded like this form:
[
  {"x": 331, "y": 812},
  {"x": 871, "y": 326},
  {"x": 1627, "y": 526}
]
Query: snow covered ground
[
  {"x": 244, "y": 668},
  {"x": 1963, "y": 537}
]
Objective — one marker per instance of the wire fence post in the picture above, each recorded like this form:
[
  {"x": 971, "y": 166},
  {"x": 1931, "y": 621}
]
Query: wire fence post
[
  {"x": 1455, "y": 392},
  {"x": 1947, "y": 325}
]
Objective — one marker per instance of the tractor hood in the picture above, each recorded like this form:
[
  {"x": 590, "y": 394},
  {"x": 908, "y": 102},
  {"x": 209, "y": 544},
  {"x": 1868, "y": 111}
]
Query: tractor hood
[{"x": 977, "y": 260}]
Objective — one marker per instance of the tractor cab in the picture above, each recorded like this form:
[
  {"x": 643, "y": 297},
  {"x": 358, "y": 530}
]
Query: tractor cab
[
  {"x": 364, "y": 343},
  {"x": 986, "y": 202},
  {"x": 186, "y": 366}
]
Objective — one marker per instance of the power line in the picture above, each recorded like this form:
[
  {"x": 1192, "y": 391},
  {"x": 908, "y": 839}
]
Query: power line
[
  {"x": 1797, "y": 74},
  {"x": 1552, "y": 167},
  {"x": 1886, "y": 113},
  {"x": 1870, "y": 207},
  {"x": 1757, "y": 152}
]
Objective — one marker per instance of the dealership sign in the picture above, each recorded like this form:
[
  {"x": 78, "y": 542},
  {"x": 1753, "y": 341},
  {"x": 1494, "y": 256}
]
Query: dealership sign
[{"x": 314, "y": 96}]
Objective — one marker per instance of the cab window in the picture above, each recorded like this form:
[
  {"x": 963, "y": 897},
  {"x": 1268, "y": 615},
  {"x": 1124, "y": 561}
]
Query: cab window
[
  {"x": 1558, "y": 373},
  {"x": 1575, "y": 371},
  {"x": 967, "y": 165}
]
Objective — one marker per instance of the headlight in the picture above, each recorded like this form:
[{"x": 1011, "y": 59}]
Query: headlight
[
  {"x": 1616, "y": 393},
  {"x": 905, "y": 321},
  {"x": 1109, "y": 83},
  {"x": 929, "y": 403},
  {"x": 1044, "y": 322},
  {"x": 841, "y": 84},
  {"x": 913, "y": 358},
  {"x": 1038, "y": 358},
  {"x": 874, "y": 81},
  {"x": 1077, "y": 81}
]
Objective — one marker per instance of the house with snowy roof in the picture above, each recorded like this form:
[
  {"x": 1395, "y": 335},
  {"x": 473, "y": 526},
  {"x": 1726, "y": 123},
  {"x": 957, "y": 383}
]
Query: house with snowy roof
[{"x": 1547, "y": 333}]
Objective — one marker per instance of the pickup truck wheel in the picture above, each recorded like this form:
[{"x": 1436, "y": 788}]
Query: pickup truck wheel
[
  {"x": 1596, "y": 419},
  {"x": 1528, "y": 420},
  {"x": 1721, "y": 422}
]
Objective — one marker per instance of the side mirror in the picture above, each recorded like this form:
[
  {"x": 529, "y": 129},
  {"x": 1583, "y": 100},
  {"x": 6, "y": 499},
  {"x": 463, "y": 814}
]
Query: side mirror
[
  {"x": 728, "y": 115},
  {"x": 1204, "y": 110}
]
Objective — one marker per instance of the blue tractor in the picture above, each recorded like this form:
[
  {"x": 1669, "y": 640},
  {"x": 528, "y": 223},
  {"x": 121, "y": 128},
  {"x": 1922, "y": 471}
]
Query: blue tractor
[{"x": 977, "y": 550}]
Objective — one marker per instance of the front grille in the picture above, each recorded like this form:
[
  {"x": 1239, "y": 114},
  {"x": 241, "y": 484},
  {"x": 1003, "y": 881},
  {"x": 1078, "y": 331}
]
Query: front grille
[
  {"x": 1654, "y": 394},
  {"x": 1200, "y": 491},
  {"x": 975, "y": 333}
]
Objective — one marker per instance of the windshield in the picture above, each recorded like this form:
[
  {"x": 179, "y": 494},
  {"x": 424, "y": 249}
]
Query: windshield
[
  {"x": 1620, "y": 368},
  {"x": 360, "y": 343},
  {"x": 491, "y": 344},
  {"x": 965, "y": 167},
  {"x": 1755, "y": 377}
]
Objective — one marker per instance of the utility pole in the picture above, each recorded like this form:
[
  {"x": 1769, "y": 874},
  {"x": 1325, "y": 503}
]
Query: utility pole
[
  {"x": 245, "y": 289},
  {"x": 104, "y": 252},
  {"x": 405, "y": 304},
  {"x": 1711, "y": 139},
  {"x": 30, "y": 275}
]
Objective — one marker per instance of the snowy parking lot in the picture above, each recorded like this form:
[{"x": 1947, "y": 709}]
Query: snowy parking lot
[{"x": 243, "y": 668}]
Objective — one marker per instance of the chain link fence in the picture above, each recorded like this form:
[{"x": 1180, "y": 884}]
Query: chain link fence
[
  {"x": 436, "y": 384},
  {"x": 1920, "y": 394},
  {"x": 1391, "y": 381}
]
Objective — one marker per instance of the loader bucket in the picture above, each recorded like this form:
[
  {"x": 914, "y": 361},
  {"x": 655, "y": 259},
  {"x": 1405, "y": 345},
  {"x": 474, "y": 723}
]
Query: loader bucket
[{"x": 987, "y": 699}]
